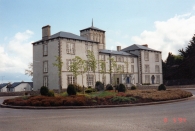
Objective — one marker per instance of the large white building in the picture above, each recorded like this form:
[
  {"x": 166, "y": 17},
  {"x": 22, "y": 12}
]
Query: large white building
[{"x": 138, "y": 63}]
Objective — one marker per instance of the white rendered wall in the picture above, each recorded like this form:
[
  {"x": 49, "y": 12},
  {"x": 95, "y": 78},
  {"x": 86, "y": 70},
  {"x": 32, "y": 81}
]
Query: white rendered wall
[{"x": 22, "y": 87}]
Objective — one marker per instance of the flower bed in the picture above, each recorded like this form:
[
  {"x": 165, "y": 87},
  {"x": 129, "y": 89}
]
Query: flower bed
[{"x": 100, "y": 98}]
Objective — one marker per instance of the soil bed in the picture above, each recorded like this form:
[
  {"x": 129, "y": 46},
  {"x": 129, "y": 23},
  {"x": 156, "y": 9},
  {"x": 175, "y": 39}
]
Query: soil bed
[{"x": 100, "y": 98}]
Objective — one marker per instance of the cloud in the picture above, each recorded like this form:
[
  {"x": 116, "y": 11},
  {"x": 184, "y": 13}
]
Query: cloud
[
  {"x": 170, "y": 35},
  {"x": 17, "y": 53},
  {"x": 194, "y": 7}
]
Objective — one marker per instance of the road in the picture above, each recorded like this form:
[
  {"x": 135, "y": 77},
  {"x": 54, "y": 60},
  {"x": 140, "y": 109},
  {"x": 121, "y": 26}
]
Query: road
[{"x": 178, "y": 116}]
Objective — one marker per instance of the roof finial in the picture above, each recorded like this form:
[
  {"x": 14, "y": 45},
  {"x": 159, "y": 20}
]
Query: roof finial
[{"x": 92, "y": 23}]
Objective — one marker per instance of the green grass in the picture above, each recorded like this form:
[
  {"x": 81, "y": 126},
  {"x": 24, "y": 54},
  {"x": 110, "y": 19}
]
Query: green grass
[{"x": 102, "y": 94}]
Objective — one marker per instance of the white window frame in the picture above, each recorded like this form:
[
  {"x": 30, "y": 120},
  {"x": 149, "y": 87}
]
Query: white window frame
[
  {"x": 70, "y": 48},
  {"x": 157, "y": 69},
  {"x": 146, "y": 55},
  {"x": 132, "y": 60},
  {"x": 68, "y": 63},
  {"x": 71, "y": 79},
  {"x": 132, "y": 68},
  {"x": 90, "y": 80},
  {"x": 147, "y": 69},
  {"x": 45, "y": 81},
  {"x": 156, "y": 57},
  {"x": 45, "y": 49},
  {"x": 45, "y": 66},
  {"x": 147, "y": 78},
  {"x": 157, "y": 79}
]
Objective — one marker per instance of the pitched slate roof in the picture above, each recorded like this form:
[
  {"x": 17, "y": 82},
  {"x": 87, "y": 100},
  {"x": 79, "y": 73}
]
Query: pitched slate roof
[
  {"x": 3, "y": 85},
  {"x": 138, "y": 47},
  {"x": 93, "y": 28},
  {"x": 13, "y": 85},
  {"x": 113, "y": 52},
  {"x": 62, "y": 34}
]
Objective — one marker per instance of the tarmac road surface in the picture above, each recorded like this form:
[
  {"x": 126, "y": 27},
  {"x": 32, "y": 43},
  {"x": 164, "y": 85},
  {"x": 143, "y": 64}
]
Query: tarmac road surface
[{"x": 178, "y": 116}]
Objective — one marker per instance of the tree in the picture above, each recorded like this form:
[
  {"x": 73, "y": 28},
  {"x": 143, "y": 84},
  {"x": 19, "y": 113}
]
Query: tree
[
  {"x": 92, "y": 62},
  {"x": 59, "y": 65},
  {"x": 78, "y": 67},
  {"x": 102, "y": 69},
  {"x": 114, "y": 69},
  {"x": 29, "y": 71}
]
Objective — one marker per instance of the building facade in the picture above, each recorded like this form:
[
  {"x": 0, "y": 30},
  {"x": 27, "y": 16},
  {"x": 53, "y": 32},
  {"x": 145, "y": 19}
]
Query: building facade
[{"x": 136, "y": 64}]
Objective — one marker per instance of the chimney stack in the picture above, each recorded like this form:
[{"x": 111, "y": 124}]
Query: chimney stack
[
  {"x": 45, "y": 32},
  {"x": 146, "y": 45},
  {"x": 118, "y": 48}
]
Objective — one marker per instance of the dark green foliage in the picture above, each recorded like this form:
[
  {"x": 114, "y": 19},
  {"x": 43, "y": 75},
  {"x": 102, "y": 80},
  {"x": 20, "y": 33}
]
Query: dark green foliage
[
  {"x": 161, "y": 87},
  {"x": 89, "y": 87},
  {"x": 44, "y": 91},
  {"x": 99, "y": 86},
  {"x": 90, "y": 90},
  {"x": 71, "y": 90},
  {"x": 121, "y": 88},
  {"x": 78, "y": 88},
  {"x": 133, "y": 87},
  {"x": 109, "y": 87},
  {"x": 51, "y": 93},
  {"x": 119, "y": 99},
  {"x": 146, "y": 84}
]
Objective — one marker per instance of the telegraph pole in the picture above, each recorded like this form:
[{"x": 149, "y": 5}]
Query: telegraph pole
[{"x": 2, "y": 79}]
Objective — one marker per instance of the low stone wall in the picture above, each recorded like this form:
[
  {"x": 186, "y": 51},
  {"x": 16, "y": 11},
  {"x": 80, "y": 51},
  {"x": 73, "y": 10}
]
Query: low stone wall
[
  {"x": 18, "y": 93},
  {"x": 156, "y": 87}
]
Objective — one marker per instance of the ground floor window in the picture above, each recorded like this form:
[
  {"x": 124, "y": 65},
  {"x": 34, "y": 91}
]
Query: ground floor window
[
  {"x": 157, "y": 79},
  {"x": 147, "y": 78},
  {"x": 45, "y": 81},
  {"x": 70, "y": 79},
  {"x": 90, "y": 80}
]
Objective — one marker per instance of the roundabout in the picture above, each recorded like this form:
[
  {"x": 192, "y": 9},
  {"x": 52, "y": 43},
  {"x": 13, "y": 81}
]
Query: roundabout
[{"x": 159, "y": 117}]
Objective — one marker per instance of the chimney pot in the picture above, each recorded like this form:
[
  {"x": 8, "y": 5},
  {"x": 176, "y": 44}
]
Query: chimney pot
[{"x": 146, "y": 45}]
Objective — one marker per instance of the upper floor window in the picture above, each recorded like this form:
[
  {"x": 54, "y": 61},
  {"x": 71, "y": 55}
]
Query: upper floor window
[
  {"x": 102, "y": 57},
  {"x": 68, "y": 63},
  {"x": 132, "y": 68},
  {"x": 147, "y": 68},
  {"x": 157, "y": 57},
  {"x": 146, "y": 55},
  {"x": 45, "y": 49},
  {"x": 132, "y": 60},
  {"x": 45, "y": 66},
  {"x": 88, "y": 47},
  {"x": 70, "y": 48},
  {"x": 120, "y": 58},
  {"x": 157, "y": 69}
]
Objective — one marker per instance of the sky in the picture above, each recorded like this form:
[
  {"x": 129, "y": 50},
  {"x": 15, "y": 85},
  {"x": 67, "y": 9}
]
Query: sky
[{"x": 166, "y": 26}]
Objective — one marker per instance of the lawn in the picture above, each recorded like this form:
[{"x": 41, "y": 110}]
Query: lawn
[{"x": 99, "y": 98}]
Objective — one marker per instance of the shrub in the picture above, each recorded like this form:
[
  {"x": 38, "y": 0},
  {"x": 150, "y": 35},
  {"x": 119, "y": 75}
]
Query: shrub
[
  {"x": 44, "y": 91},
  {"x": 121, "y": 88},
  {"x": 71, "y": 90},
  {"x": 161, "y": 87},
  {"x": 89, "y": 87},
  {"x": 50, "y": 93},
  {"x": 133, "y": 87},
  {"x": 90, "y": 90},
  {"x": 78, "y": 88},
  {"x": 109, "y": 87},
  {"x": 119, "y": 99},
  {"x": 99, "y": 86}
]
